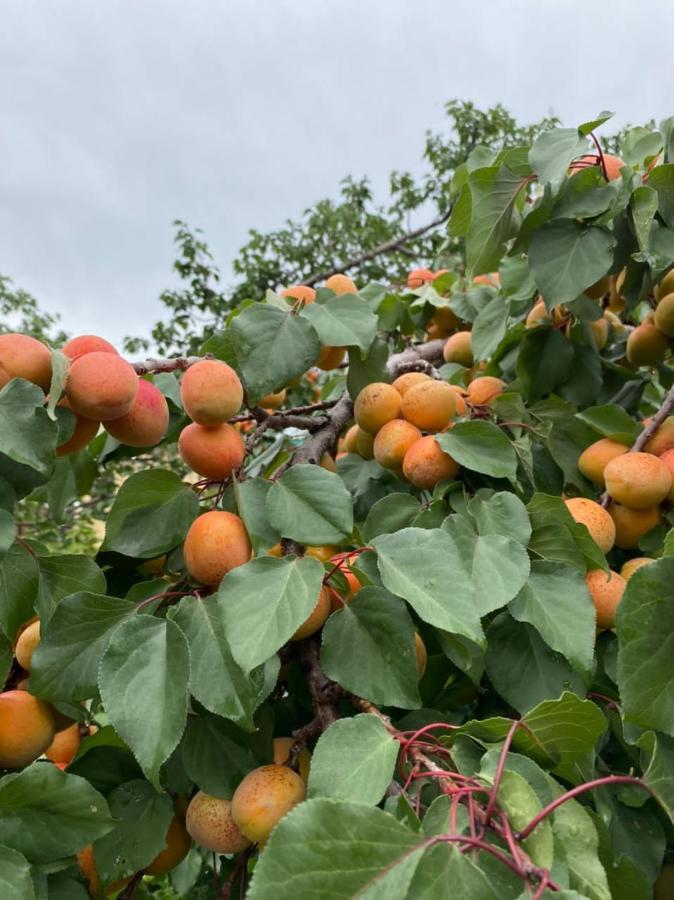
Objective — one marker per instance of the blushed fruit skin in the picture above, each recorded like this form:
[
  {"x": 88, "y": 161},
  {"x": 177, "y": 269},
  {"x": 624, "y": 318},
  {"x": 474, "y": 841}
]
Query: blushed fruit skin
[
  {"x": 595, "y": 518},
  {"x": 376, "y": 404},
  {"x": 273, "y": 401},
  {"x": 404, "y": 382},
  {"x": 421, "y": 654},
  {"x": 22, "y": 356},
  {"x": 26, "y": 728},
  {"x": 646, "y": 346},
  {"x": 216, "y": 543},
  {"x": 632, "y": 524},
  {"x": 459, "y": 349},
  {"x": 282, "y": 747},
  {"x": 663, "y": 439},
  {"x": 426, "y": 464},
  {"x": 26, "y": 644},
  {"x": 606, "y": 591},
  {"x": 317, "y": 618},
  {"x": 263, "y": 798},
  {"x": 330, "y": 358},
  {"x": 481, "y": 391},
  {"x": 430, "y": 405},
  {"x": 594, "y": 459},
  {"x": 341, "y": 284},
  {"x": 65, "y": 745},
  {"x": 300, "y": 292},
  {"x": 209, "y": 822},
  {"x": 663, "y": 317},
  {"x": 493, "y": 279},
  {"x": 637, "y": 480},
  {"x": 86, "y": 343},
  {"x": 666, "y": 286},
  {"x": 101, "y": 386},
  {"x": 364, "y": 444},
  {"x": 633, "y": 565},
  {"x": 84, "y": 433},
  {"x": 613, "y": 164},
  {"x": 668, "y": 459},
  {"x": 146, "y": 422},
  {"x": 178, "y": 842},
  {"x": 459, "y": 400},
  {"x": 211, "y": 452},
  {"x": 211, "y": 392},
  {"x": 418, "y": 277},
  {"x": 393, "y": 441}
]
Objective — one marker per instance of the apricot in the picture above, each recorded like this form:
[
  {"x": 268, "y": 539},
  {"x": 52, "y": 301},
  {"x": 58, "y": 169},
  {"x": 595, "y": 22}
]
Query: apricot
[
  {"x": 632, "y": 524},
  {"x": 341, "y": 284},
  {"x": 418, "y": 277},
  {"x": 597, "y": 290},
  {"x": 209, "y": 822},
  {"x": 393, "y": 441},
  {"x": 101, "y": 386},
  {"x": 421, "y": 653},
  {"x": 351, "y": 579},
  {"x": 663, "y": 439},
  {"x": 460, "y": 400},
  {"x": 317, "y": 617},
  {"x": 282, "y": 747},
  {"x": 665, "y": 286},
  {"x": 435, "y": 332},
  {"x": 459, "y": 349},
  {"x": 330, "y": 358},
  {"x": 84, "y": 433},
  {"x": 262, "y": 799},
  {"x": 594, "y": 459},
  {"x": 350, "y": 439},
  {"x": 327, "y": 462},
  {"x": 632, "y": 565},
  {"x": 668, "y": 459},
  {"x": 446, "y": 318},
  {"x": 273, "y": 401},
  {"x": 612, "y": 164},
  {"x": 616, "y": 325},
  {"x": 600, "y": 331},
  {"x": 595, "y": 518},
  {"x": 26, "y": 728},
  {"x": 646, "y": 346},
  {"x": 376, "y": 404},
  {"x": 26, "y": 644},
  {"x": 22, "y": 356},
  {"x": 606, "y": 591},
  {"x": 178, "y": 843},
  {"x": 425, "y": 464},
  {"x": 300, "y": 292},
  {"x": 616, "y": 301},
  {"x": 322, "y": 552},
  {"x": 365, "y": 444},
  {"x": 429, "y": 405},
  {"x": 216, "y": 542},
  {"x": 211, "y": 392},
  {"x": 146, "y": 422},
  {"x": 481, "y": 391},
  {"x": 538, "y": 314},
  {"x": 211, "y": 452},
  {"x": 87, "y": 865},
  {"x": 65, "y": 745},
  {"x": 404, "y": 382},
  {"x": 86, "y": 343},
  {"x": 637, "y": 480},
  {"x": 663, "y": 318},
  {"x": 493, "y": 279}
]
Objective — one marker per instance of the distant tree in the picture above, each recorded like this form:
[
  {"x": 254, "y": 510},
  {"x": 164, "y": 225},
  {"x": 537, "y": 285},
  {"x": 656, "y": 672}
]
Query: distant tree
[{"x": 19, "y": 311}]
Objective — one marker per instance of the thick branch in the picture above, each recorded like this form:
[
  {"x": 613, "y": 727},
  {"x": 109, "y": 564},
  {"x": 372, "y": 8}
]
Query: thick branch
[
  {"x": 325, "y": 437},
  {"x": 325, "y": 695},
  {"x": 178, "y": 364},
  {"x": 419, "y": 358}
]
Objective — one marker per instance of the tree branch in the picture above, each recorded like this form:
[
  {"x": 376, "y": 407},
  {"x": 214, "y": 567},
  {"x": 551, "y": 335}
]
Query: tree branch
[
  {"x": 418, "y": 358},
  {"x": 177, "y": 364}
]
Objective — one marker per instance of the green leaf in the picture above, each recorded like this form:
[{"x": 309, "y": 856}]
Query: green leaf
[
  {"x": 544, "y": 362},
  {"x": 645, "y": 629},
  {"x": 576, "y": 837},
  {"x": 643, "y": 206},
  {"x": 151, "y": 514},
  {"x": 272, "y": 347},
  {"x": 354, "y": 760},
  {"x": 60, "y": 365},
  {"x": 65, "y": 663},
  {"x": 444, "y": 873},
  {"x": 15, "y": 877},
  {"x": 19, "y": 579},
  {"x": 556, "y": 536},
  {"x": 216, "y": 680},
  {"x": 64, "y": 575},
  {"x": 502, "y": 513},
  {"x": 251, "y": 497},
  {"x": 481, "y": 447},
  {"x": 662, "y": 180},
  {"x": 368, "y": 648},
  {"x": 217, "y": 755},
  {"x": 47, "y": 814},
  {"x": 489, "y": 328},
  {"x": 310, "y": 505},
  {"x": 143, "y": 680},
  {"x": 586, "y": 195},
  {"x": 391, "y": 513},
  {"x": 493, "y": 190},
  {"x": 519, "y": 801},
  {"x": 28, "y": 435},
  {"x": 264, "y": 602},
  {"x": 611, "y": 421},
  {"x": 369, "y": 851},
  {"x": 556, "y": 601},
  {"x": 657, "y": 762},
  {"x": 343, "y": 321},
  {"x": 366, "y": 368},
  {"x": 552, "y": 152},
  {"x": 567, "y": 257},
  {"x": 603, "y": 117},
  {"x": 7, "y": 531}
]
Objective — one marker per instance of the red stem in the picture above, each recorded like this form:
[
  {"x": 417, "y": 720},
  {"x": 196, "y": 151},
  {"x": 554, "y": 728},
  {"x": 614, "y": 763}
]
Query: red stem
[
  {"x": 499, "y": 770},
  {"x": 601, "y": 154}
]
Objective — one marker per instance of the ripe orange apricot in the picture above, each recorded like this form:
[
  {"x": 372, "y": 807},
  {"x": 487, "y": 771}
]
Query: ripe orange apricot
[
  {"x": 211, "y": 452},
  {"x": 459, "y": 400},
  {"x": 665, "y": 286},
  {"x": 637, "y": 480},
  {"x": 404, "y": 382},
  {"x": 341, "y": 284},
  {"x": 663, "y": 318},
  {"x": 493, "y": 279},
  {"x": 282, "y": 747},
  {"x": 376, "y": 404},
  {"x": 434, "y": 331},
  {"x": 262, "y": 799},
  {"x": 178, "y": 843},
  {"x": 317, "y": 617},
  {"x": 273, "y": 401},
  {"x": 663, "y": 439},
  {"x": 594, "y": 459},
  {"x": 330, "y": 358},
  {"x": 668, "y": 459},
  {"x": 632, "y": 565},
  {"x": 87, "y": 865},
  {"x": 426, "y": 464},
  {"x": 418, "y": 277},
  {"x": 321, "y": 552},
  {"x": 26, "y": 728},
  {"x": 459, "y": 349},
  {"x": 327, "y": 462},
  {"x": 84, "y": 433},
  {"x": 430, "y": 405},
  {"x": 393, "y": 441},
  {"x": 612, "y": 164},
  {"x": 446, "y": 318},
  {"x": 606, "y": 591},
  {"x": 86, "y": 343},
  {"x": 209, "y": 822},
  {"x": 300, "y": 292},
  {"x": 595, "y": 518},
  {"x": 146, "y": 422},
  {"x": 350, "y": 439},
  {"x": 65, "y": 745},
  {"x": 600, "y": 332},
  {"x": 646, "y": 346},
  {"x": 26, "y": 644},
  {"x": 632, "y": 524},
  {"x": 421, "y": 653},
  {"x": 481, "y": 391},
  {"x": 211, "y": 392},
  {"x": 216, "y": 542},
  {"x": 101, "y": 386},
  {"x": 22, "y": 356}
]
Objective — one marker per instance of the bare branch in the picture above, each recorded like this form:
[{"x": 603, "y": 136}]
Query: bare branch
[{"x": 177, "y": 364}]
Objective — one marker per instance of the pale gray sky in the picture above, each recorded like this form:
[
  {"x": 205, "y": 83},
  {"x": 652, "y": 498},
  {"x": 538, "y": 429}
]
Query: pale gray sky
[{"x": 117, "y": 117}]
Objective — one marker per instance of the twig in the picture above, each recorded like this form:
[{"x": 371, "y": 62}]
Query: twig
[
  {"x": 238, "y": 871},
  {"x": 130, "y": 889},
  {"x": 178, "y": 363}
]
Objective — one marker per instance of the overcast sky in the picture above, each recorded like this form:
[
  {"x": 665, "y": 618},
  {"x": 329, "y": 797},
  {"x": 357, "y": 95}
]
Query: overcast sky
[{"x": 118, "y": 116}]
